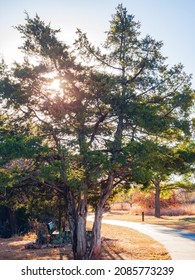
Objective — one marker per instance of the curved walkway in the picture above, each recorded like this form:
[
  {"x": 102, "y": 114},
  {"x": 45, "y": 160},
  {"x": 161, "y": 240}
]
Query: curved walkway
[{"x": 180, "y": 244}]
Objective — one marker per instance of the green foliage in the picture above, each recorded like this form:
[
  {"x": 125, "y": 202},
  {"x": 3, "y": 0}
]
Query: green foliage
[
  {"x": 41, "y": 39},
  {"x": 20, "y": 146}
]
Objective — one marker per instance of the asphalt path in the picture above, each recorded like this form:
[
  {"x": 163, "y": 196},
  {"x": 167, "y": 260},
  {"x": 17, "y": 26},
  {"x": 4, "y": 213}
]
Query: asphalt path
[{"x": 180, "y": 244}]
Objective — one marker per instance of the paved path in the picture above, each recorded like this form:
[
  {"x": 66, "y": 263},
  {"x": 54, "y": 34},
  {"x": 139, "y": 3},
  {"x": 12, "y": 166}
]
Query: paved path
[{"x": 180, "y": 244}]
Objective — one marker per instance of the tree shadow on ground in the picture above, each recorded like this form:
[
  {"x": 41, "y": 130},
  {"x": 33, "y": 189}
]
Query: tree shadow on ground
[{"x": 110, "y": 251}]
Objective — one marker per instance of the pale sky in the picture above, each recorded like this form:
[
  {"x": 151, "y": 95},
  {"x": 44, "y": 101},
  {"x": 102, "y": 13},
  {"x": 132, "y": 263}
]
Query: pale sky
[{"x": 172, "y": 21}]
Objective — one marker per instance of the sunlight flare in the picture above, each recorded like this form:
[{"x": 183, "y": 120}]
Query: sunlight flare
[{"x": 55, "y": 84}]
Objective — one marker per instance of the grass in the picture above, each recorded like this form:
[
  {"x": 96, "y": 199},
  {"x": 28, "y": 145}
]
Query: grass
[
  {"x": 122, "y": 243},
  {"x": 180, "y": 222},
  {"x": 186, "y": 209},
  {"x": 118, "y": 243},
  {"x": 14, "y": 249}
]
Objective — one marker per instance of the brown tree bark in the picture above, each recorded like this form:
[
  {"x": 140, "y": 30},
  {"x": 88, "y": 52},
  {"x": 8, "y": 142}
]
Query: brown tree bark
[
  {"x": 12, "y": 221},
  {"x": 81, "y": 252},
  {"x": 95, "y": 248},
  {"x": 77, "y": 223},
  {"x": 157, "y": 199},
  {"x": 71, "y": 215}
]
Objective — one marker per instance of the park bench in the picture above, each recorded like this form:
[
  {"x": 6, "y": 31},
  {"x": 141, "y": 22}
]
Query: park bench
[{"x": 64, "y": 236}]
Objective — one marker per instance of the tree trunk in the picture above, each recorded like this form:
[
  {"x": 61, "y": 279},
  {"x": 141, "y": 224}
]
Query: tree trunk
[
  {"x": 71, "y": 215},
  {"x": 12, "y": 221},
  {"x": 157, "y": 199},
  {"x": 95, "y": 247},
  {"x": 77, "y": 224},
  {"x": 81, "y": 252},
  {"x": 59, "y": 214}
]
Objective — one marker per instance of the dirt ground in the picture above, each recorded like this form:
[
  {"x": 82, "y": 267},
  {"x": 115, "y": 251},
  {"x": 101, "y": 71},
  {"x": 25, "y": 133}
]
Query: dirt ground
[{"x": 117, "y": 244}]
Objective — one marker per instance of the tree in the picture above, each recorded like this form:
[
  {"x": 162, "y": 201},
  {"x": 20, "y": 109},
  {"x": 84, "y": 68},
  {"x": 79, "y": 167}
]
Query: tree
[
  {"x": 157, "y": 163},
  {"x": 149, "y": 102},
  {"x": 92, "y": 122}
]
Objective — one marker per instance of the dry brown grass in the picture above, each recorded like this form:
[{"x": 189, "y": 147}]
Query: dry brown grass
[
  {"x": 118, "y": 244},
  {"x": 184, "y": 222},
  {"x": 14, "y": 249},
  {"x": 122, "y": 243},
  {"x": 186, "y": 209}
]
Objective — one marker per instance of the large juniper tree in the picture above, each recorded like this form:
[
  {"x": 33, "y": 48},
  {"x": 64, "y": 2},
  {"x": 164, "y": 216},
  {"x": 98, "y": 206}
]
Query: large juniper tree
[{"x": 109, "y": 99}]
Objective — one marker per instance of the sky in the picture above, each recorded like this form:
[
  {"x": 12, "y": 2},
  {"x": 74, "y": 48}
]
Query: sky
[{"x": 170, "y": 21}]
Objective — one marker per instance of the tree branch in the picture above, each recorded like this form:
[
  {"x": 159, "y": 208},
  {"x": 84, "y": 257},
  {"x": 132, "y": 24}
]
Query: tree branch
[{"x": 96, "y": 126}]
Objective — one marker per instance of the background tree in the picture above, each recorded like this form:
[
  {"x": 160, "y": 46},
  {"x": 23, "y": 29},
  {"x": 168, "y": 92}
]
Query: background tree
[
  {"x": 92, "y": 122},
  {"x": 157, "y": 165}
]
